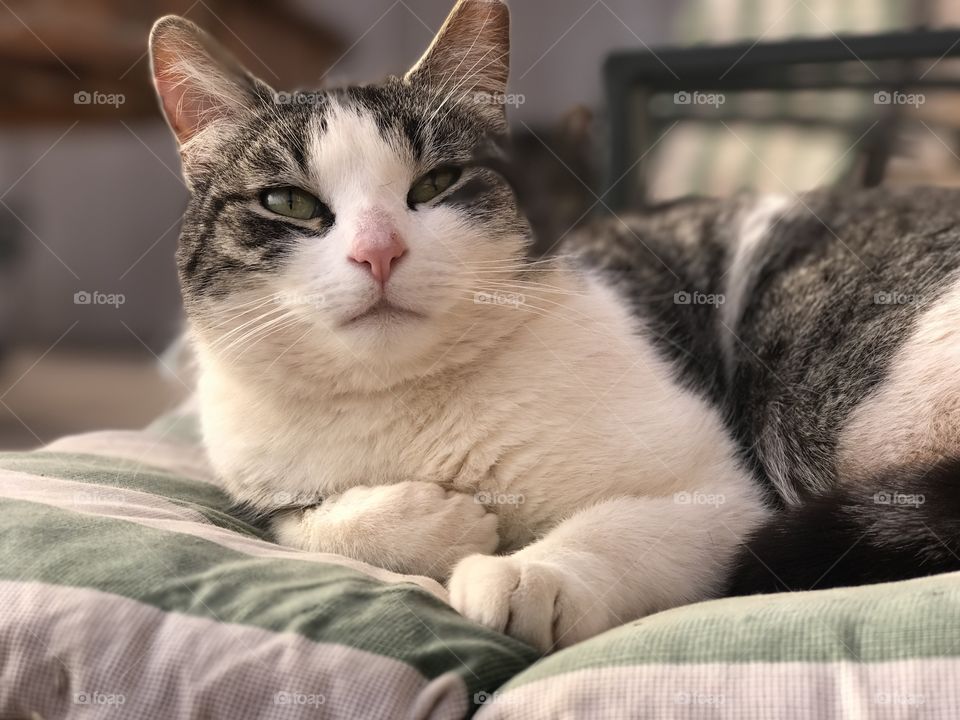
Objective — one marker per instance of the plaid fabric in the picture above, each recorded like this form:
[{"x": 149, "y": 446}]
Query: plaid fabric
[{"x": 127, "y": 588}]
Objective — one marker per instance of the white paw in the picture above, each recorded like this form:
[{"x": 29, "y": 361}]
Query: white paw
[
  {"x": 448, "y": 527},
  {"x": 415, "y": 528},
  {"x": 540, "y": 603}
]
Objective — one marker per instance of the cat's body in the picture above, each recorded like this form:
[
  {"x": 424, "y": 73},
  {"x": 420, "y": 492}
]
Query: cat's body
[
  {"x": 530, "y": 415},
  {"x": 838, "y": 337},
  {"x": 572, "y": 443},
  {"x": 561, "y": 406},
  {"x": 834, "y": 357}
]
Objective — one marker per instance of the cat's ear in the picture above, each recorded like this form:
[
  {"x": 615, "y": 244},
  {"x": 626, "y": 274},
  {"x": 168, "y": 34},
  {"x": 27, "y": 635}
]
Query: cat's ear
[
  {"x": 471, "y": 53},
  {"x": 197, "y": 80}
]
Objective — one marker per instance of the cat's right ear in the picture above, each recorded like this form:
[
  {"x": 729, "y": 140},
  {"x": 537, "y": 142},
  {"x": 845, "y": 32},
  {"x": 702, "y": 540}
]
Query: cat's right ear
[
  {"x": 199, "y": 83},
  {"x": 471, "y": 52}
]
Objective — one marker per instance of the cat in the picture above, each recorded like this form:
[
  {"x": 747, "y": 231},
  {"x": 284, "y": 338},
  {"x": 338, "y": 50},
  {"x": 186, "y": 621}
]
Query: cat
[{"x": 569, "y": 443}]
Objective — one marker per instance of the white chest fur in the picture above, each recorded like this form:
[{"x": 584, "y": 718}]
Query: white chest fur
[{"x": 571, "y": 409}]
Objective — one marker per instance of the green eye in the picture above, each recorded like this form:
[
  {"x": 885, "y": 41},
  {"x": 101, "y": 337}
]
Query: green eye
[
  {"x": 432, "y": 184},
  {"x": 293, "y": 202}
]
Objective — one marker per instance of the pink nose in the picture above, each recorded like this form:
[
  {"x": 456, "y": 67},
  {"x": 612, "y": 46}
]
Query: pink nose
[{"x": 379, "y": 250}]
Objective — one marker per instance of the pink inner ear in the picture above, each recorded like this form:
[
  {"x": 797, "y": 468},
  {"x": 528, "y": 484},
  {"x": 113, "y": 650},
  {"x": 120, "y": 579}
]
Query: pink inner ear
[
  {"x": 474, "y": 45},
  {"x": 186, "y": 106},
  {"x": 182, "y": 117}
]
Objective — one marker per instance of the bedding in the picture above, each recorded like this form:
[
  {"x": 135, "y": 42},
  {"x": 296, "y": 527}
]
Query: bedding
[
  {"x": 126, "y": 587},
  {"x": 128, "y": 590},
  {"x": 877, "y": 651}
]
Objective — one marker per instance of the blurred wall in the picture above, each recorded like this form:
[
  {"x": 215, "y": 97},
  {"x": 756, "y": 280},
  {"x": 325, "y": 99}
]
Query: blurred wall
[{"x": 98, "y": 211}]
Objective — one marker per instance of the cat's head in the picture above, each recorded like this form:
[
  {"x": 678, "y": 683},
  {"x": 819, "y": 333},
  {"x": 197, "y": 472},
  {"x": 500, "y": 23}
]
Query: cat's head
[{"x": 344, "y": 232}]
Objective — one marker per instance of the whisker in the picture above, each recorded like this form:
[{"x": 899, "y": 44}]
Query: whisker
[
  {"x": 288, "y": 323},
  {"x": 534, "y": 286},
  {"x": 244, "y": 325},
  {"x": 259, "y": 328},
  {"x": 263, "y": 301}
]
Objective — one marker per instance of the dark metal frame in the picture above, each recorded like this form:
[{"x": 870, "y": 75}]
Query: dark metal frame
[{"x": 790, "y": 65}]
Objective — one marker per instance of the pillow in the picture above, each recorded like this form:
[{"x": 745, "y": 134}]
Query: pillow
[
  {"x": 878, "y": 651},
  {"x": 126, "y": 582}
]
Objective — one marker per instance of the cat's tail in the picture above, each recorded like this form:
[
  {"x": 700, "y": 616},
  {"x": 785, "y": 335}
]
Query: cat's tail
[{"x": 905, "y": 524}]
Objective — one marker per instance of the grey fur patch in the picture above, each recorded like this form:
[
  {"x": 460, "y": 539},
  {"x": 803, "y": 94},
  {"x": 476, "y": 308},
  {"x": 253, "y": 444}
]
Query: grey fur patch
[{"x": 819, "y": 329}]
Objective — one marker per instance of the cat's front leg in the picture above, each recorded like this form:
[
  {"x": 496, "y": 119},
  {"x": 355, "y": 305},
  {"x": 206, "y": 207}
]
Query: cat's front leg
[
  {"x": 607, "y": 565},
  {"x": 415, "y": 528}
]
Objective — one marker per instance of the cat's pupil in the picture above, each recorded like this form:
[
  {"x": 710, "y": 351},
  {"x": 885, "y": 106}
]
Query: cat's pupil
[
  {"x": 432, "y": 184},
  {"x": 296, "y": 203}
]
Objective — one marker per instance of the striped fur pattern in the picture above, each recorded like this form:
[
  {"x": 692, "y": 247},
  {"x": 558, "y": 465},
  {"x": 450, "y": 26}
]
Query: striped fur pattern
[{"x": 838, "y": 338}]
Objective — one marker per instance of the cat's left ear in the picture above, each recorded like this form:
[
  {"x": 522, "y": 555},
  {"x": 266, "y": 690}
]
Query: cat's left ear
[
  {"x": 199, "y": 83},
  {"x": 471, "y": 53}
]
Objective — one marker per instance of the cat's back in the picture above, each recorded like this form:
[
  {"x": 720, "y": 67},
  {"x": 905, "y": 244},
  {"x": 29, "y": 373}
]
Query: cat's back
[
  {"x": 847, "y": 296},
  {"x": 796, "y": 313}
]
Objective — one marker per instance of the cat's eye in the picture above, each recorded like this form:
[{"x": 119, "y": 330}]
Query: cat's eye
[
  {"x": 293, "y": 202},
  {"x": 432, "y": 184}
]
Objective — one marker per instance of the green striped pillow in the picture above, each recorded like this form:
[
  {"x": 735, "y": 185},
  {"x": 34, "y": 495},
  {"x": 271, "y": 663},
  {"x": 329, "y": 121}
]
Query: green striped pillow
[
  {"x": 879, "y": 651},
  {"x": 125, "y": 581}
]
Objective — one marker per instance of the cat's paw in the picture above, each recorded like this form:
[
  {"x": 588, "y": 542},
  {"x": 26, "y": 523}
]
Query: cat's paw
[
  {"x": 442, "y": 527},
  {"x": 542, "y": 604},
  {"x": 415, "y": 528}
]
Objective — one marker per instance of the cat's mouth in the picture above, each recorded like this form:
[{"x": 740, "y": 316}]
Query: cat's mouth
[{"x": 384, "y": 311}]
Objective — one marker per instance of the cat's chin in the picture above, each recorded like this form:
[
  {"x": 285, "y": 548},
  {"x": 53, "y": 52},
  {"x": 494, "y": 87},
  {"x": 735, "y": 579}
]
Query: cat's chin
[{"x": 382, "y": 313}]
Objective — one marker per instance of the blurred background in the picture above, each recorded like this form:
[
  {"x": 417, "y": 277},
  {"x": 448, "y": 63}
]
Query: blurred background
[{"x": 615, "y": 104}]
